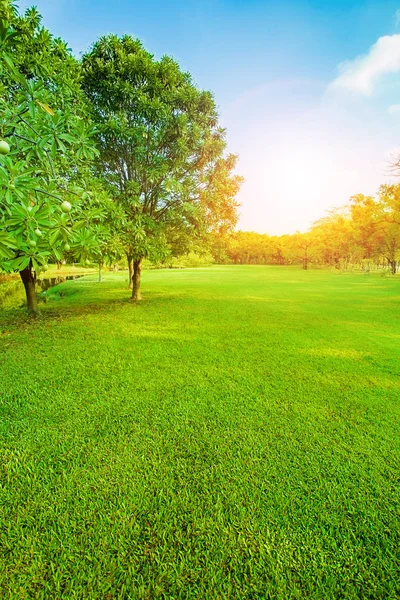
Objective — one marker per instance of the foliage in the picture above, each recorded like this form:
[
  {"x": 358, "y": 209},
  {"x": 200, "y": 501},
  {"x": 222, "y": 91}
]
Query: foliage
[
  {"x": 98, "y": 238},
  {"x": 377, "y": 223},
  {"x": 368, "y": 228},
  {"x": 43, "y": 119}
]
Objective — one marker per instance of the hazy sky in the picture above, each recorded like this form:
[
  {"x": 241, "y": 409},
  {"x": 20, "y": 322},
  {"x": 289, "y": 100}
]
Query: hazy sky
[{"x": 309, "y": 90}]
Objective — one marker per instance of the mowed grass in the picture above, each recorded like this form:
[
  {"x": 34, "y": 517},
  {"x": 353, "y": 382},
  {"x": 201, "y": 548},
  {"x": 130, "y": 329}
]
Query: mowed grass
[{"x": 235, "y": 435}]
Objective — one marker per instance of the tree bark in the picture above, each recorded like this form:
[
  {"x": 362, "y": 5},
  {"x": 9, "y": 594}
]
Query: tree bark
[
  {"x": 137, "y": 269},
  {"x": 130, "y": 269},
  {"x": 28, "y": 279},
  {"x": 394, "y": 267},
  {"x": 100, "y": 272}
]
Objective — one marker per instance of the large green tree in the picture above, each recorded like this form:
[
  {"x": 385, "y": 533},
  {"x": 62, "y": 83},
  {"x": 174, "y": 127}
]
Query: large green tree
[
  {"x": 161, "y": 149},
  {"x": 45, "y": 146}
]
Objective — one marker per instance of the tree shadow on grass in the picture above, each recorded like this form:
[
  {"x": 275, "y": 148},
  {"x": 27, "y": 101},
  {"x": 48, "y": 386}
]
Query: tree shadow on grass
[
  {"x": 60, "y": 306},
  {"x": 77, "y": 299}
]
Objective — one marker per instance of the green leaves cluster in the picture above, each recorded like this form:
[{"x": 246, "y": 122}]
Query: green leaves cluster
[{"x": 43, "y": 119}]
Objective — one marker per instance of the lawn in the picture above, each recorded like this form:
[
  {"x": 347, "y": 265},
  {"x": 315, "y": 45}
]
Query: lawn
[
  {"x": 12, "y": 292},
  {"x": 235, "y": 435}
]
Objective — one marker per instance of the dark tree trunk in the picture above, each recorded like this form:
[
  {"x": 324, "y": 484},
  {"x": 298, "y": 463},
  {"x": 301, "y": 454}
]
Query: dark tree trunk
[
  {"x": 394, "y": 266},
  {"x": 130, "y": 269},
  {"x": 137, "y": 269},
  {"x": 59, "y": 265},
  {"x": 28, "y": 279}
]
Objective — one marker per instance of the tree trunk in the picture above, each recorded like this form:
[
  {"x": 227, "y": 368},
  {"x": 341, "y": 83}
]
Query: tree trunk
[
  {"x": 59, "y": 265},
  {"x": 305, "y": 260},
  {"x": 137, "y": 269},
  {"x": 28, "y": 279},
  {"x": 130, "y": 269},
  {"x": 394, "y": 266},
  {"x": 100, "y": 272}
]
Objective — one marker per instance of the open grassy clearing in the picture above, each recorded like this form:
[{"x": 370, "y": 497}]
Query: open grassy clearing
[{"x": 233, "y": 436}]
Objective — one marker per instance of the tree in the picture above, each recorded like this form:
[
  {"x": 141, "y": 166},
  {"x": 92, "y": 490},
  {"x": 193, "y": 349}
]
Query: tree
[
  {"x": 249, "y": 247},
  {"x": 377, "y": 224},
  {"x": 337, "y": 238},
  {"x": 161, "y": 149},
  {"x": 305, "y": 247},
  {"x": 43, "y": 122},
  {"x": 364, "y": 213},
  {"x": 388, "y": 223}
]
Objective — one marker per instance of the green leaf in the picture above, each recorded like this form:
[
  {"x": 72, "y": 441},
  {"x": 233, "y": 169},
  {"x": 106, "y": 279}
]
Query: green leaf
[
  {"x": 20, "y": 263},
  {"x": 45, "y": 107}
]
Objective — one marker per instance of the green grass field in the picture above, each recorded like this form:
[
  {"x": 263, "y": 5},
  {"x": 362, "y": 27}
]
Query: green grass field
[{"x": 235, "y": 435}]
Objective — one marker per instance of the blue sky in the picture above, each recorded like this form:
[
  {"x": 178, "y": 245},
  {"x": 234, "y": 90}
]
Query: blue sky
[{"x": 310, "y": 131}]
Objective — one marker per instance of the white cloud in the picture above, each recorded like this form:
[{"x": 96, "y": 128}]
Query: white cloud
[
  {"x": 361, "y": 74},
  {"x": 394, "y": 109}
]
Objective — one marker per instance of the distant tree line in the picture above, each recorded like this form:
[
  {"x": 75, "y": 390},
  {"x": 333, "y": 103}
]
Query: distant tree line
[{"x": 365, "y": 232}]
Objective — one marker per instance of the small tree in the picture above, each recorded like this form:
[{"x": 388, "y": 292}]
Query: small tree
[{"x": 305, "y": 247}]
